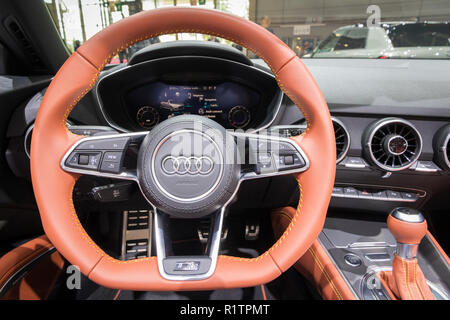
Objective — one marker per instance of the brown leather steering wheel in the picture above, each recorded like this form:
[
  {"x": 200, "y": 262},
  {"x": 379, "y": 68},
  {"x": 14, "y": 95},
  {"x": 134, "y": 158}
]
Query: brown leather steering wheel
[{"x": 51, "y": 141}]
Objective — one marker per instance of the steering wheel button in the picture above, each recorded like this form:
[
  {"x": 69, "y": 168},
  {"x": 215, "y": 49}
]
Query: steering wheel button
[
  {"x": 104, "y": 144},
  {"x": 73, "y": 160},
  {"x": 87, "y": 161},
  {"x": 264, "y": 159},
  {"x": 110, "y": 166},
  {"x": 83, "y": 159},
  {"x": 298, "y": 160},
  {"x": 288, "y": 160},
  {"x": 112, "y": 156},
  {"x": 284, "y": 147},
  {"x": 94, "y": 160}
]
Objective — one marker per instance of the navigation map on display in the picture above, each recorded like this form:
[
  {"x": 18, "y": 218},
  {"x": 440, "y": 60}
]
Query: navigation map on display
[{"x": 228, "y": 103}]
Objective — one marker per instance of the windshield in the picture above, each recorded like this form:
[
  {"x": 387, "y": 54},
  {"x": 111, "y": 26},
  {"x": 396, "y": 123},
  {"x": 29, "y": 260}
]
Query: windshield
[{"x": 388, "y": 29}]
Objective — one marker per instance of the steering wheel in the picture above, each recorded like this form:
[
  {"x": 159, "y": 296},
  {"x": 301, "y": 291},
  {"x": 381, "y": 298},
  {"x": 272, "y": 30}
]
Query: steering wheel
[{"x": 55, "y": 162}]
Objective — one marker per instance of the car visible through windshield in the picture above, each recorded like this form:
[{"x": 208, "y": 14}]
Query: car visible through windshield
[{"x": 411, "y": 40}]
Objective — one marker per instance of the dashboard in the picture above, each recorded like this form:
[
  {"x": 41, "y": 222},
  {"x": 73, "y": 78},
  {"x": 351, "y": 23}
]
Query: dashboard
[
  {"x": 228, "y": 103},
  {"x": 235, "y": 94},
  {"x": 392, "y": 147}
]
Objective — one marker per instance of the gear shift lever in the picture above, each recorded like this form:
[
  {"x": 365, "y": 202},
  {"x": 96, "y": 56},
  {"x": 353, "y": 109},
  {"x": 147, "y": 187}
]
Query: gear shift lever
[
  {"x": 407, "y": 282},
  {"x": 408, "y": 226}
]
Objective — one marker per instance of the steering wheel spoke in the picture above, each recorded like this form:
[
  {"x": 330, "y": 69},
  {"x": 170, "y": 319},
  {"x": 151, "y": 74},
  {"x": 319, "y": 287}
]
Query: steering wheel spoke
[
  {"x": 269, "y": 155},
  {"x": 102, "y": 156},
  {"x": 182, "y": 268}
]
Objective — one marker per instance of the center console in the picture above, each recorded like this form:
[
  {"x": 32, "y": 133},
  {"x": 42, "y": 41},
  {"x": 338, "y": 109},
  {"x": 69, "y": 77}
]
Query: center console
[{"x": 361, "y": 250}]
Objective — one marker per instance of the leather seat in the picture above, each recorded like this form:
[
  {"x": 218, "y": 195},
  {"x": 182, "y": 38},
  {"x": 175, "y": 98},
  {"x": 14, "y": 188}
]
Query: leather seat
[
  {"x": 30, "y": 271},
  {"x": 315, "y": 265}
]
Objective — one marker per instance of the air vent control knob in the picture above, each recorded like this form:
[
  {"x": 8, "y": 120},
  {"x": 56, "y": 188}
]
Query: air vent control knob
[{"x": 395, "y": 144}]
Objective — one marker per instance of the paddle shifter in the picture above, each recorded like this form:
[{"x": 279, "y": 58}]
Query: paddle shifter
[{"x": 407, "y": 282}]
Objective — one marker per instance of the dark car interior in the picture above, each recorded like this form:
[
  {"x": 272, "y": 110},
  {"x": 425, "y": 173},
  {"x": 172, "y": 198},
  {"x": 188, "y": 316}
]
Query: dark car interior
[{"x": 391, "y": 121}]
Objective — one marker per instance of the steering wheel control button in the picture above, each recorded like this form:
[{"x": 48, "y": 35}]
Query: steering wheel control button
[
  {"x": 73, "y": 160},
  {"x": 289, "y": 160},
  {"x": 352, "y": 260},
  {"x": 112, "y": 162},
  {"x": 285, "y": 156},
  {"x": 264, "y": 163},
  {"x": 113, "y": 156},
  {"x": 91, "y": 130},
  {"x": 285, "y": 147},
  {"x": 264, "y": 159},
  {"x": 82, "y": 160},
  {"x": 110, "y": 166},
  {"x": 104, "y": 144}
]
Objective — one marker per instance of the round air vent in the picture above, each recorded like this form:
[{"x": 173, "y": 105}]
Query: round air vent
[
  {"x": 392, "y": 144},
  {"x": 342, "y": 139},
  {"x": 442, "y": 147}
]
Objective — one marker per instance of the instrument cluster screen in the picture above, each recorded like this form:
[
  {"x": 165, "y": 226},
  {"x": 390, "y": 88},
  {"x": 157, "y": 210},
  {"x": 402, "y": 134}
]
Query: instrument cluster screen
[{"x": 228, "y": 103}]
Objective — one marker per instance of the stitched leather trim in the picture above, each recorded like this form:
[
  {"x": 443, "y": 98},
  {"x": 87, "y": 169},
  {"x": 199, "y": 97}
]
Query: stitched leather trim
[
  {"x": 317, "y": 260},
  {"x": 404, "y": 266},
  {"x": 325, "y": 273},
  {"x": 263, "y": 291}
]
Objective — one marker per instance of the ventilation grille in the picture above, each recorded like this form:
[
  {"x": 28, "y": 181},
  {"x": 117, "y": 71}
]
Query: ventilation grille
[
  {"x": 342, "y": 139},
  {"x": 394, "y": 144}
]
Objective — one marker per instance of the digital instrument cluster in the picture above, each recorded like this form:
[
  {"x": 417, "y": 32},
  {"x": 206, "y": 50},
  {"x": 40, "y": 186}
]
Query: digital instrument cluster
[{"x": 228, "y": 103}]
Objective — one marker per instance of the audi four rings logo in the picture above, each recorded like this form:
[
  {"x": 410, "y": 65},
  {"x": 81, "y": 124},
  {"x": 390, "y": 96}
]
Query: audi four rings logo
[{"x": 187, "y": 165}]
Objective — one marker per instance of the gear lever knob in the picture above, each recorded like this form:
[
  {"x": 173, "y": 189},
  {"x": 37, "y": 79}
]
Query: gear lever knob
[{"x": 408, "y": 226}]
